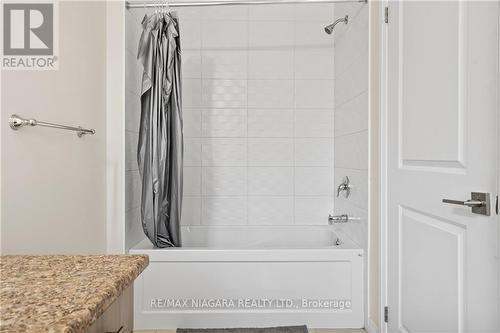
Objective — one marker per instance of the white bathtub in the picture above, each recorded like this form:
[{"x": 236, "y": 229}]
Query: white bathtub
[{"x": 251, "y": 277}]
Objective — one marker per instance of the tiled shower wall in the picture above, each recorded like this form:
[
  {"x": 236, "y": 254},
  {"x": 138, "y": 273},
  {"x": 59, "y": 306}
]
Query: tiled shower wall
[
  {"x": 258, "y": 115},
  {"x": 259, "y": 100},
  {"x": 351, "y": 118},
  {"x": 133, "y": 77},
  {"x": 351, "y": 122}
]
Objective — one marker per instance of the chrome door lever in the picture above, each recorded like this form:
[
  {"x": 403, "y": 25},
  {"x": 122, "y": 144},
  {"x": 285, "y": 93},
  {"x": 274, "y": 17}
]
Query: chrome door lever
[
  {"x": 470, "y": 203},
  {"x": 479, "y": 202}
]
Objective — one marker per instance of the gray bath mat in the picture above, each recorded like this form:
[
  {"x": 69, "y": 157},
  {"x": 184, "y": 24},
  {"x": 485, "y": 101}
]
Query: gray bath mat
[{"x": 281, "y": 329}]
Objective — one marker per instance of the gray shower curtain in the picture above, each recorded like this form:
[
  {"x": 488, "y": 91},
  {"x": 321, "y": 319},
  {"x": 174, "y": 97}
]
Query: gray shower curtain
[{"x": 160, "y": 148}]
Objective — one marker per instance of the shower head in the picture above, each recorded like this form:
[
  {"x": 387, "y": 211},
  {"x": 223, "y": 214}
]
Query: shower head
[{"x": 329, "y": 28}]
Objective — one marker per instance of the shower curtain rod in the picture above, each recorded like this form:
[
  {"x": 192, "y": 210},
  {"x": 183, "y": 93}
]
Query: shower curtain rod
[{"x": 162, "y": 3}]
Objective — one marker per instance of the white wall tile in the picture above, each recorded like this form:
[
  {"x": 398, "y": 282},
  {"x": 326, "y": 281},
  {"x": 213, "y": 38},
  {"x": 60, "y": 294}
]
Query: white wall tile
[
  {"x": 191, "y": 181},
  {"x": 351, "y": 46},
  {"x": 224, "y": 181},
  {"x": 314, "y": 152},
  {"x": 314, "y": 94},
  {"x": 270, "y": 152},
  {"x": 314, "y": 12},
  {"x": 314, "y": 181},
  {"x": 358, "y": 16},
  {"x": 131, "y": 141},
  {"x": 275, "y": 35},
  {"x": 139, "y": 14},
  {"x": 314, "y": 63},
  {"x": 191, "y": 64},
  {"x": 229, "y": 35},
  {"x": 314, "y": 123},
  {"x": 133, "y": 227},
  {"x": 224, "y": 123},
  {"x": 359, "y": 187},
  {"x": 190, "y": 34},
  {"x": 191, "y": 211},
  {"x": 271, "y": 64},
  {"x": 191, "y": 122},
  {"x": 224, "y": 211},
  {"x": 224, "y": 152},
  {"x": 357, "y": 230},
  {"x": 133, "y": 184},
  {"x": 351, "y": 151},
  {"x": 270, "y": 123},
  {"x": 192, "y": 151},
  {"x": 239, "y": 12},
  {"x": 349, "y": 8},
  {"x": 312, "y": 34},
  {"x": 133, "y": 82},
  {"x": 352, "y": 116},
  {"x": 270, "y": 210},
  {"x": 270, "y": 181},
  {"x": 224, "y": 93},
  {"x": 133, "y": 74},
  {"x": 258, "y": 96},
  {"x": 313, "y": 210},
  {"x": 272, "y": 13},
  {"x": 191, "y": 93},
  {"x": 188, "y": 13},
  {"x": 133, "y": 30},
  {"x": 224, "y": 64},
  {"x": 132, "y": 112},
  {"x": 271, "y": 94},
  {"x": 352, "y": 83}
]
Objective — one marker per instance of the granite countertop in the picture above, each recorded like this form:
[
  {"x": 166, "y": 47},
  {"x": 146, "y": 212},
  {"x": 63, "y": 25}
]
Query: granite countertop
[{"x": 56, "y": 294}]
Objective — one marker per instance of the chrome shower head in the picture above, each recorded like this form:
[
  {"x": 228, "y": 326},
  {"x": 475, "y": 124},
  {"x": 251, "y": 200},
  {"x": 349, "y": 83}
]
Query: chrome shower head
[{"x": 329, "y": 28}]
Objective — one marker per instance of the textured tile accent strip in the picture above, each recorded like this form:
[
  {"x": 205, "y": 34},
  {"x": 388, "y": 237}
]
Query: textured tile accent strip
[{"x": 53, "y": 294}]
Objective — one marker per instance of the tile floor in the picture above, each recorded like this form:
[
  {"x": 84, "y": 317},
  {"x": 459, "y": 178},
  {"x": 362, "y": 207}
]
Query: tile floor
[{"x": 311, "y": 330}]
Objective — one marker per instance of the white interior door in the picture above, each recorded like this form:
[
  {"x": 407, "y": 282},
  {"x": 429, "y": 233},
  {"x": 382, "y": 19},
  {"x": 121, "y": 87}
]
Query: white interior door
[{"x": 442, "y": 109}]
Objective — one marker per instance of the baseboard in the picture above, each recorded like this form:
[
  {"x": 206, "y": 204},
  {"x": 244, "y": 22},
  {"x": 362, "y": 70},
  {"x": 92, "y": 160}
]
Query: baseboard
[{"x": 371, "y": 327}]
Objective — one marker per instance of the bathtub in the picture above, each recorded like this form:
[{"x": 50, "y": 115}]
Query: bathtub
[{"x": 251, "y": 277}]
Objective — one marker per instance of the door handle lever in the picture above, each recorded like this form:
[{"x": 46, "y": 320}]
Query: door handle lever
[
  {"x": 479, "y": 202},
  {"x": 469, "y": 203}
]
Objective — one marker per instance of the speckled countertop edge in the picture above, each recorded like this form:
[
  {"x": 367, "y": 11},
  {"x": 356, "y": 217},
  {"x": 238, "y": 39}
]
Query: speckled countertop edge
[{"x": 61, "y": 294}]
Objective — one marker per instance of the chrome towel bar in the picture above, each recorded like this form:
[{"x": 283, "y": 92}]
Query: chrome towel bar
[{"x": 17, "y": 122}]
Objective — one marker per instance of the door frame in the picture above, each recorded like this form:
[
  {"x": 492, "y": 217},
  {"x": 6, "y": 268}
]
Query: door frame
[
  {"x": 383, "y": 134},
  {"x": 498, "y": 159},
  {"x": 383, "y": 164}
]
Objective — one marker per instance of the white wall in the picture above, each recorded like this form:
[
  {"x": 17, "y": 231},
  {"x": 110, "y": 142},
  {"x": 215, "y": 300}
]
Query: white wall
[
  {"x": 258, "y": 89},
  {"x": 53, "y": 183}
]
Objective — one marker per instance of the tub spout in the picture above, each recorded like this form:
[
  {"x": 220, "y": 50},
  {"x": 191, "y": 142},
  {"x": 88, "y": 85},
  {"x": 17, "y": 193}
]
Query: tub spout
[{"x": 344, "y": 218}]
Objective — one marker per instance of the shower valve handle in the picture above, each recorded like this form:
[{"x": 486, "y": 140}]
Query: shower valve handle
[{"x": 344, "y": 186}]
